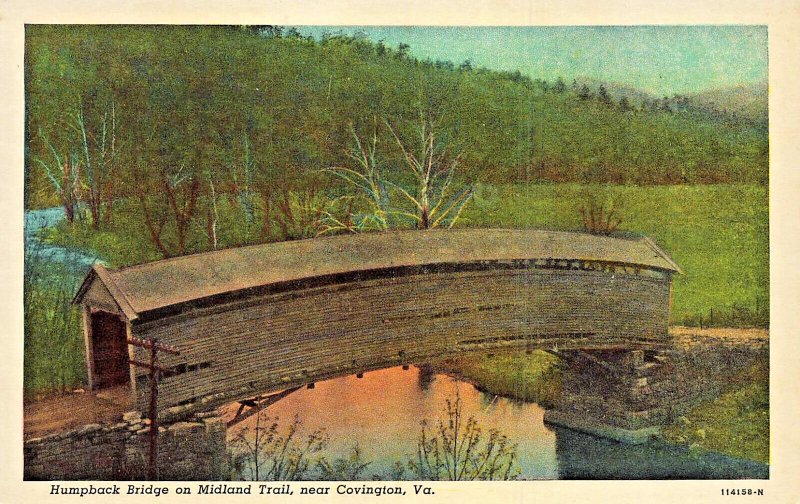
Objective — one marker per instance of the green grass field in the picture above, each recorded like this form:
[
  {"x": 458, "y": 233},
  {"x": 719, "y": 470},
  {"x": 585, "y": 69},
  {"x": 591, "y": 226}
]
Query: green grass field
[{"x": 718, "y": 234}]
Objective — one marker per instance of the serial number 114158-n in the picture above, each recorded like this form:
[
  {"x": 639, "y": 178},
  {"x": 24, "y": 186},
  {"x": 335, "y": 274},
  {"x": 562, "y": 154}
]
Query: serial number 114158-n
[{"x": 742, "y": 491}]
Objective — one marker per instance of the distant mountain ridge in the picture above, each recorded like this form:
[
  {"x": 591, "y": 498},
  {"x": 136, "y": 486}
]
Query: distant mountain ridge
[
  {"x": 748, "y": 100},
  {"x": 742, "y": 103}
]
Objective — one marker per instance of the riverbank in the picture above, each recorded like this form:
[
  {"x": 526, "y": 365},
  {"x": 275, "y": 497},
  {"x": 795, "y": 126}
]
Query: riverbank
[
  {"x": 736, "y": 420},
  {"x": 726, "y": 369}
]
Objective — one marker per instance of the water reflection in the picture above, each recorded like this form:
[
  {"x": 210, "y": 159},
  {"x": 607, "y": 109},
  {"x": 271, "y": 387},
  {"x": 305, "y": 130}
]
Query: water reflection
[{"x": 381, "y": 412}]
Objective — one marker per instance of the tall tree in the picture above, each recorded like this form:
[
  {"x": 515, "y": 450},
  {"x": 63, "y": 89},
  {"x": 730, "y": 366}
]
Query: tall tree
[{"x": 603, "y": 96}]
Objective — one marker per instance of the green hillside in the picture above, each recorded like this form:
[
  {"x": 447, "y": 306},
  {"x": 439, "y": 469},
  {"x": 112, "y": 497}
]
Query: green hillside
[{"x": 213, "y": 99}]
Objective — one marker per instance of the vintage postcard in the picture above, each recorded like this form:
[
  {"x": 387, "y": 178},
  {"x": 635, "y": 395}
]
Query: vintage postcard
[{"x": 298, "y": 257}]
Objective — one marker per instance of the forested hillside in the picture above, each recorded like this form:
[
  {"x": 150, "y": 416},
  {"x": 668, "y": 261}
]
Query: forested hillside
[{"x": 114, "y": 112}]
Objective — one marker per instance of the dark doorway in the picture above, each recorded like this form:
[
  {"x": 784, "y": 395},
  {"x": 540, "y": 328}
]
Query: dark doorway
[{"x": 110, "y": 350}]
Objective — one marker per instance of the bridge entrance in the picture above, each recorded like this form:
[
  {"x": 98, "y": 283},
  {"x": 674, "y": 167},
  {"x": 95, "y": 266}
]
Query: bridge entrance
[{"x": 111, "y": 363}]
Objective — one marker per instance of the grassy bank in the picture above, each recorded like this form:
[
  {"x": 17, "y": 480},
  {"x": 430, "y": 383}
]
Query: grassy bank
[
  {"x": 53, "y": 355},
  {"x": 529, "y": 377},
  {"x": 736, "y": 423}
]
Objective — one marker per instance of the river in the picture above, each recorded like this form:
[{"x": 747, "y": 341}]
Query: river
[
  {"x": 381, "y": 412},
  {"x": 74, "y": 262}
]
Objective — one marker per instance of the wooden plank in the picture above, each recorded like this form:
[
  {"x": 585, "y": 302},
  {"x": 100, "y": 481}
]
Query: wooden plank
[{"x": 87, "y": 345}]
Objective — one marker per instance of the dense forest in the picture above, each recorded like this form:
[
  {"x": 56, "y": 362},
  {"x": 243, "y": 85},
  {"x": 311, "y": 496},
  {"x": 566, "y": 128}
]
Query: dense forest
[{"x": 175, "y": 117}]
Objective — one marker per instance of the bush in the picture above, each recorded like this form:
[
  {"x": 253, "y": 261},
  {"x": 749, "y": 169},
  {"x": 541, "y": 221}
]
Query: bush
[
  {"x": 600, "y": 213},
  {"x": 270, "y": 452},
  {"x": 53, "y": 342},
  {"x": 457, "y": 450}
]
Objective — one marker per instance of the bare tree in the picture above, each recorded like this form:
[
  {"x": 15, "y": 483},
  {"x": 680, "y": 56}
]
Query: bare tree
[
  {"x": 63, "y": 173},
  {"x": 600, "y": 214},
  {"x": 212, "y": 213},
  {"x": 368, "y": 177},
  {"x": 181, "y": 191},
  {"x": 154, "y": 221},
  {"x": 438, "y": 198},
  {"x": 242, "y": 177},
  {"x": 99, "y": 149}
]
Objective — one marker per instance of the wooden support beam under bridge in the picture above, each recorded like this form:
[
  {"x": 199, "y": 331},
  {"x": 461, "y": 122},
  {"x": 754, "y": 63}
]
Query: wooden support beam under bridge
[
  {"x": 612, "y": 369},
  {"x": 257, "y": 404}
]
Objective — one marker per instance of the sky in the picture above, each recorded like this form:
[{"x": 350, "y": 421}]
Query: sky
[{"x": 662, "y": 60}]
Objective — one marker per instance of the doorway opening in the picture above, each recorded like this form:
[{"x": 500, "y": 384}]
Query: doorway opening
[{"x": 109, "y": 350}]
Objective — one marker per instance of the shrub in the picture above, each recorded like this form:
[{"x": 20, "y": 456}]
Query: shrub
[{"x": 456, "y": 449}]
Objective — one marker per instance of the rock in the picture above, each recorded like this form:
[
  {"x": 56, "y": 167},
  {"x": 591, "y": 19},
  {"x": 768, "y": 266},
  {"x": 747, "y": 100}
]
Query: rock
[
  {"x": 206, "y": 414},
  {"x": 185, "y": 427},
  {"x": 176, "y": 411},
  {"x": 88, "y": 429},
  {"x": 213, "y": 425},
  {"x": 132, "y": 416}
]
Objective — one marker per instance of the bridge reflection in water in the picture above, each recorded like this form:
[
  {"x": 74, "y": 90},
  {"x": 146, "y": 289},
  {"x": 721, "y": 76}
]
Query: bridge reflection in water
[{"x": 382, "y": 412}]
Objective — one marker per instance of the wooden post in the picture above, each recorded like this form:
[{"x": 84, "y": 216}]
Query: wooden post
[
  {"x": 153, "y": 469},
  {"x": 87, "y": 344},
  {"x": 131, "y": 356},
  {"x": 154, "y": 372}
]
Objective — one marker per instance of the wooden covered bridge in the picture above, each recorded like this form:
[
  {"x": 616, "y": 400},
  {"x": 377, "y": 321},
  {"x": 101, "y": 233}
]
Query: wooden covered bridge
[{"x": 269, "y": 317}]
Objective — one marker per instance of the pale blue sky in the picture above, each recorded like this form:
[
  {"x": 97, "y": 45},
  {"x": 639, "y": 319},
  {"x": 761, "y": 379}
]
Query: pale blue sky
[{"x": 657, "y": 59}]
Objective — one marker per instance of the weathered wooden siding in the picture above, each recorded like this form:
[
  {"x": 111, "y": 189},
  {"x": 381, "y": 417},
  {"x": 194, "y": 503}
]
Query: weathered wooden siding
[{"x": 300, "y": 336}]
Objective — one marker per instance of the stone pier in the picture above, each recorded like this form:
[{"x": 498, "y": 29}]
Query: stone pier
[{"x": 620, "y": 395}]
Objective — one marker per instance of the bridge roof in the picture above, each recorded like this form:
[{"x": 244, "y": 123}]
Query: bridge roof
[{"x": 156, "y": 285}]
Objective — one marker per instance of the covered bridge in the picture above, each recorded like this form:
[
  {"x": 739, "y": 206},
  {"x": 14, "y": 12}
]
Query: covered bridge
[{"x": 261, "y": 318}]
